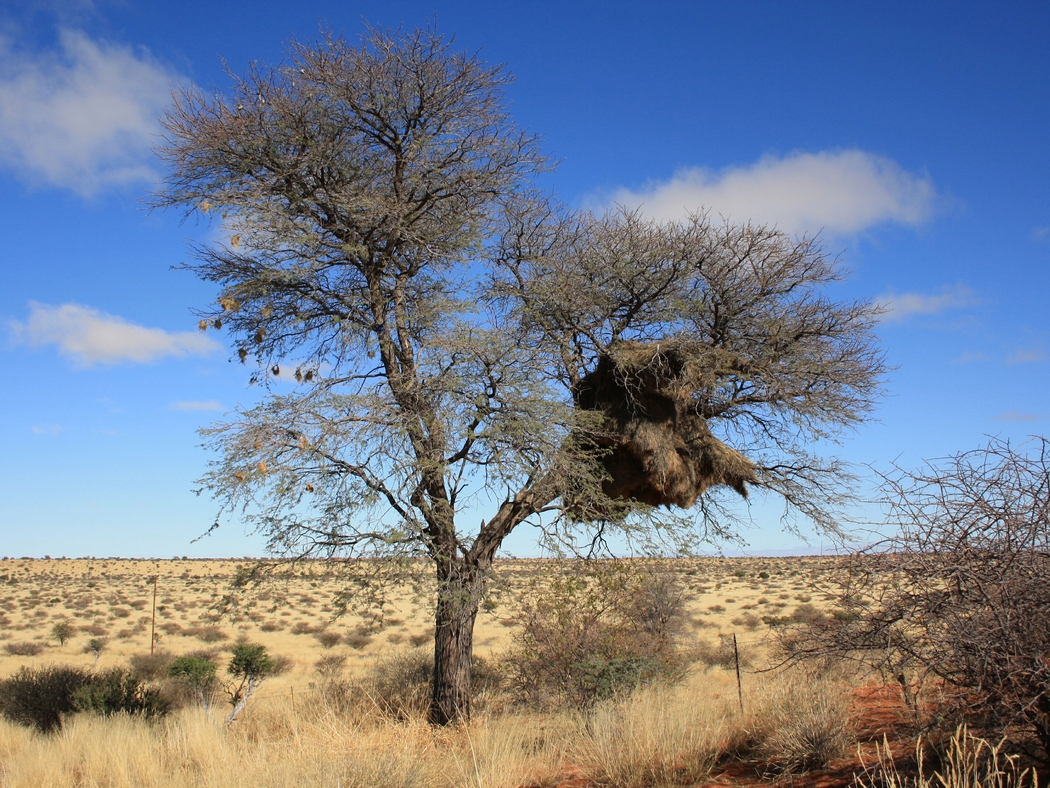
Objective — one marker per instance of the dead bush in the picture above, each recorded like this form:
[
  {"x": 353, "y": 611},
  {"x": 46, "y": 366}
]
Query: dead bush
[{"x": 24, "y": 649}]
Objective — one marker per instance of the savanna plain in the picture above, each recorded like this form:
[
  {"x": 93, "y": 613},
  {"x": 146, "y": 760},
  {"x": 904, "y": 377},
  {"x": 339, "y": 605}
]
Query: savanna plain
[{"x": 342, "y": 701}]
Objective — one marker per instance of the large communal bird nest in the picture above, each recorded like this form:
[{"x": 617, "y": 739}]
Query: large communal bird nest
[{"x": 654, "y": 445}]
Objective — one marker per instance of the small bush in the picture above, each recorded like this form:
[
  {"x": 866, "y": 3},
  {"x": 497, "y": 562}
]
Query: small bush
[
  {"x": 422, "y": 638},
  {"x": 721, "y": 655},
  {"x": 330, "y": 666},
  {"x": 151, "y": 667},
  {"x": 39, "y": 698},
  {"x": 23, "y": 649},
  {"x": 327, "y": 638},
  {"x": 208, "y": 634},
  {"x": 358, "y": 639}
]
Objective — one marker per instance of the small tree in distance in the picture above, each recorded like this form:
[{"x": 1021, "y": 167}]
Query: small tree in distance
[
  {"x": 62, "y": 631},
  {"x": 454, "y": 336}
]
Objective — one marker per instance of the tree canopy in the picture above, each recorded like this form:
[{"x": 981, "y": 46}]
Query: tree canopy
[{"x": 387, "y": 249}]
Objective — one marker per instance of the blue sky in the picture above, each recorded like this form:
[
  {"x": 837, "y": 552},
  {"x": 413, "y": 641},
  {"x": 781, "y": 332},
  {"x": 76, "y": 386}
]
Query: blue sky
[{"x": 913, "y": 135}]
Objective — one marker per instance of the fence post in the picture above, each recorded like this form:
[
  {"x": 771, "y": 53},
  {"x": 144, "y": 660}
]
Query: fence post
[{"x": 739, "y": 686}]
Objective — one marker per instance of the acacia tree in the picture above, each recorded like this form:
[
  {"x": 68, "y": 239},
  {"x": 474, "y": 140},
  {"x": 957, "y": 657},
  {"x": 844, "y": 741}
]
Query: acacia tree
[{"x": 387, "y": 250}]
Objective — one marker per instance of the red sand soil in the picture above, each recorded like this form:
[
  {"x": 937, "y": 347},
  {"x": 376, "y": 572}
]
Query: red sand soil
[{"x": 881, "y": 718}]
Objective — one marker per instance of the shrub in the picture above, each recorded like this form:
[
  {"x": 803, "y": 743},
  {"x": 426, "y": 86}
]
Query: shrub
[
  {"x": 95, "y": 646},
  {"x": 327, "y": 638},
  {"x": 358, "y": 639},
  {"x": 400, "y": 684},
  {"x": 119, "y": 691},
  {"x": 722, "y": 655},
  {"x": 151, "y": 667},
  {"x": 957, "y": 601},
  {"x": 587, "y": 635},
  {"x": 39, "y": 698},
  {"x": 23, "y": 649}
]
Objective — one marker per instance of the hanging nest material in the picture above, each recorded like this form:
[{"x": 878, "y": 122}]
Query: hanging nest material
[{"x": 653, "y": 445}]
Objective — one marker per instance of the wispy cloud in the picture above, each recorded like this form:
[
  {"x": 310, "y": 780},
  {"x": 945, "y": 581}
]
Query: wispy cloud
[
  {"x": 1026, "y": 357},
  {"x": 970, "y": 356},
  {"x": 196, "y": 405},
  {"x": 47, "y": 429},
  {"x": 1016, "y": 415},
  {"x": 89, "y": 336},
  {"x": 82, "y": 117},
  {"x": 900, "y": 306},
  {"x": 839, "y": 192}
]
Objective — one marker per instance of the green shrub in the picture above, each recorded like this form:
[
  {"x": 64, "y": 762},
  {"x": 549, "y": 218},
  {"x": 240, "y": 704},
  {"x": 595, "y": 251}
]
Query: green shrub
[
  {"x": 119, "y": 691},
  {"x": 39, "y": 698}
]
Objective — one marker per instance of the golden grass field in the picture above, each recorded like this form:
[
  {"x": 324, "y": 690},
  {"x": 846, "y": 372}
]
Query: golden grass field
[{"x": 293, "y": 735}]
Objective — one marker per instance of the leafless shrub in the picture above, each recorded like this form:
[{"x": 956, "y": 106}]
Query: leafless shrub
[
  {"x": 956, "y": 605},
  {"x": 592, "y": 633},
  {"x": 24, "y": 649},
  {"x": 151, "y": 667},
  {"x": 328, "y": 638}
]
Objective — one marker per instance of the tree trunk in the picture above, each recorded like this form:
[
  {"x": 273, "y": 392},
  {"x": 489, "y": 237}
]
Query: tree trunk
[{"x": 460, "y": 586}]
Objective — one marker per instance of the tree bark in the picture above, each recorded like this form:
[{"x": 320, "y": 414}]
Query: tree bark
[{"x": 460, "y": 586}]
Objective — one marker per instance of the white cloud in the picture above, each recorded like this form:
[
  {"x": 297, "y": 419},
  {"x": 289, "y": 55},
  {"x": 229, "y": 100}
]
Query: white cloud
[
  {"x": 82, "y": 117},
  {"x": 835, "y": 191},
  {"x": 1016, "y": 415},
  {"x": 89, "y": 336},
  {"x": 47, "y": 429},
  {"x": 899, "y": 306},
  {"x": 1041, "y": 234},
  {"x": 196, "y": 405},
  {"x": 1026, "y": 357}
]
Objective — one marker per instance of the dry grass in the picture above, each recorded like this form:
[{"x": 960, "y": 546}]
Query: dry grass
[
  {"x": 968, "y": 762},
  {"x": 656, "y": 737}
]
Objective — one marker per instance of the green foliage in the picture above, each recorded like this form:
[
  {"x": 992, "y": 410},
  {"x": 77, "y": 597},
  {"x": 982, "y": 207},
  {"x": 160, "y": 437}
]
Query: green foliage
[
  {"x": 119, "y": 691},
  {"x": 39, "y": 698},
  {"x": 195, "y": 671},
  {"x": 590, "y": 634},
  {"x": 250, "y": 661}
]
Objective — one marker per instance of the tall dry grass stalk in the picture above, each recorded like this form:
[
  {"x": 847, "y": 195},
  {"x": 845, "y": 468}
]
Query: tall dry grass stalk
[{"x": 969, "y": 762}]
